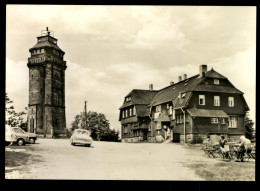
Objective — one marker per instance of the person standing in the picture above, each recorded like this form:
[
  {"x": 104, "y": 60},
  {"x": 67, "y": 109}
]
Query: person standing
[
  {"x": 244, "y": 147},
  {"x": 223, "y": 146}
]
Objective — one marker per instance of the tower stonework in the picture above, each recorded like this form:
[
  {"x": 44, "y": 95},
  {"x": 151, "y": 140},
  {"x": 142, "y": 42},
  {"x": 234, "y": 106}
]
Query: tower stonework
[{"x": 46, "y": 109}]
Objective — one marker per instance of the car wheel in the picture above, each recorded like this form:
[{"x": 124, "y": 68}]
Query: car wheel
[
  {"x": 20, "y": 142},
  {"x": 73, "y": 144},
  {"x": 32, "y": 140}
]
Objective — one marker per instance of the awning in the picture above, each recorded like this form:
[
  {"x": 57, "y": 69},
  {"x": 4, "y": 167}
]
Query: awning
[{"x": 194, "y": 112}]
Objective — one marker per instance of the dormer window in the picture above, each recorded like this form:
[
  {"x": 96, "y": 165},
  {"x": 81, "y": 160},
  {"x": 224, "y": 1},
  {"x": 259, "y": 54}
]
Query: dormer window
[
  {"x": 183, "y": 95},
  {"x": 216, "y": 81},
  {"x": 128, "y": 99},
  {"x": 158, "y": 108}
]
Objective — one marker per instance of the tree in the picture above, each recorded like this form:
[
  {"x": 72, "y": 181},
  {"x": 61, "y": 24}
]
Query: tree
[
  {"x": 249, "y": 130},
  {"x": 12, "y": 118},
  {"x": 96, "y": 123}
]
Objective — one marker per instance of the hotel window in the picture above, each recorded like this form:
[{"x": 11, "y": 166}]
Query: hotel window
[
  {"x": 214, "y": 120},
  {"x": 158, "y": 125},
  {"x": 201, "y": 99},
  {"x": 42, "y": 50},
  {"x": 181, "y": 118},
  {"x": 231, "y": 101},
  {"x": 216, "y": 81},
  {"x": 177, "y": 119},
  {"x": 134, "y": 111},
  {"x": 150, "y": 127},
  {"x": 38, "y": 51},
  {"x": 123, "y": 114},
  {"x": 232, "y": 122},
  {"x": 222, "y": 120},
  {"x": 216, "y": 101},
  {"x": 158, "y": 108},
  {"x": 130, "y": 112},
  {"x": 183, "y": 95},
  {"x": 170, "y": 110},
  {"x": 126, "y": 113},
  {"x": 125, "y": 129}
]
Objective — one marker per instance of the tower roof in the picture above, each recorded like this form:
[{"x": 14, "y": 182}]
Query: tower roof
[{"x": 46, "y": 40}]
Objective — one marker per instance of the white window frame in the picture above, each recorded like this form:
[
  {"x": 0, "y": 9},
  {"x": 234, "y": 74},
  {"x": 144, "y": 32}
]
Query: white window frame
[
  {"x": 216, "y": 100},
  {"x": 150, "y": 127},
  {"x": 216, "y": 81},
  {"x": 158, "y": 126},
  {"x": 134, "y": 111},
  {"x": 231, "y": 102},
  {"x": 158, "y": 108},
  {"x": 214, "y": 120},
  {"x": 170, "y": 110},
  {"x": 203, "y": 98},
  {"x": 130, "y": 112},
  {"x": 232, "y": 122}
]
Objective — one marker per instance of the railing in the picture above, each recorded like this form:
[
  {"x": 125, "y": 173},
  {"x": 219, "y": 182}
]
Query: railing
[{"x": 42, "y": 59}]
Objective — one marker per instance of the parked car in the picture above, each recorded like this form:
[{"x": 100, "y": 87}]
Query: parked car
[
  {"x": 15, "y": 135},
  {"x": 81, "y": 137},
  {"x": 32, "y": 136}
]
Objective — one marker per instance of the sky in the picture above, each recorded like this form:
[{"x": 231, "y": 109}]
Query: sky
[{"x": 111, "y": 50}]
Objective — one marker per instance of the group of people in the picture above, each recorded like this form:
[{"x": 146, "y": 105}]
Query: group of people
[{"x": 245, "y": 146}]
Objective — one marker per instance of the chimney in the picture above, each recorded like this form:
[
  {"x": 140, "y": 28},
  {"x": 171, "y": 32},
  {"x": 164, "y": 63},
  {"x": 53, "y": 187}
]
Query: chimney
[
  {"x": 179, "y": 78},
  {"x": 203, "y": 70},
  {"x": 151, "y": 87},
  {"x": 184, "y": 76},
  {"x": 171, "y": 83}
]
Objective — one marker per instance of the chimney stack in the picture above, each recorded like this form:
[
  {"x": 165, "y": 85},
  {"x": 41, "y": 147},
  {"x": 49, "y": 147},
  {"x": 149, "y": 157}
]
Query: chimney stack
[
  {"x": 180, "y": 78},
  {"x": 203, "y": 70},
  {"x": 151, "y": 87},
  {"x": 171, "y": 83},
  {"x": 184, "y": 76}
]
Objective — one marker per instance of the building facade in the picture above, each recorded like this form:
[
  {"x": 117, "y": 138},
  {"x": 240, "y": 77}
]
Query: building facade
[
  {"x": 187, "y": 111},
  {"x": 46, "y": 109}
]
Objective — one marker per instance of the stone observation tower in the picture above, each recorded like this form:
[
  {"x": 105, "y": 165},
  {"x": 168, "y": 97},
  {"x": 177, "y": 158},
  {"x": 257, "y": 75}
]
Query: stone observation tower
[{"x": 46, "y": 109}]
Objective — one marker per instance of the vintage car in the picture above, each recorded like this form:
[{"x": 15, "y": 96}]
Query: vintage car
[
  {"x": 32, "y": 137},
  {"x": 15, "y": 135},
  {"x": 81, "y": 137}
]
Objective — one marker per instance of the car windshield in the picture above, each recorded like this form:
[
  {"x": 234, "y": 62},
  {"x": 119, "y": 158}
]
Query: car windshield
[
  {"x": 17, "y": 130},
  {"x": 82, "y": 132}
]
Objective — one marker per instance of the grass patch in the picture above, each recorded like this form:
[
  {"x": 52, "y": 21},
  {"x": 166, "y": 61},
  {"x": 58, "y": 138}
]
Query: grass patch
[
  {"x": 14, "y": 159},
  {"x": 225, "y": 171}
]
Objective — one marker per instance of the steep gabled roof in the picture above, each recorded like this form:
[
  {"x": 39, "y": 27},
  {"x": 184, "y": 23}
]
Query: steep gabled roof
[
  {"x": 214, "y": 88},
  {"x": 139, "y": 97},
  {"x": 213, "y": 74},
  {"x": 171, "y": 92}
]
